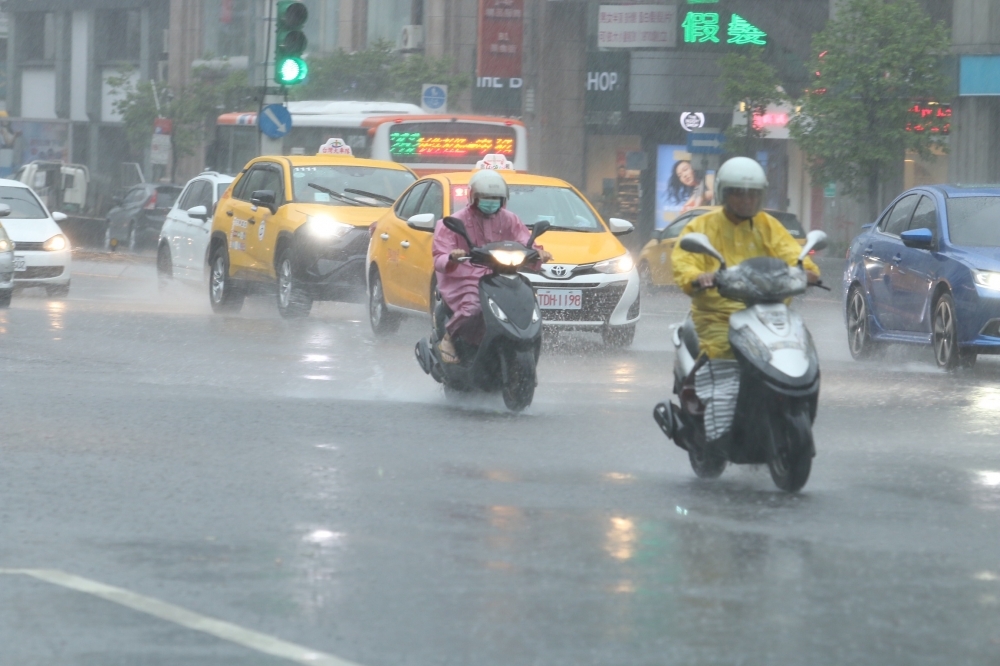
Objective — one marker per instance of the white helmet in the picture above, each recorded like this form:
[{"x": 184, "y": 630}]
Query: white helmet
[
  {"x": 740, "y": 173},
  {"x": 488, "y": 183}
]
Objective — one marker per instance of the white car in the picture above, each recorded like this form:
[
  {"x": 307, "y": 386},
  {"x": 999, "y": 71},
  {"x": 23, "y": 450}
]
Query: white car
[
  {"x": 182, "y": 251},
  {"x": 42, "y": 255},
  {"x": 6, "y": 262}
]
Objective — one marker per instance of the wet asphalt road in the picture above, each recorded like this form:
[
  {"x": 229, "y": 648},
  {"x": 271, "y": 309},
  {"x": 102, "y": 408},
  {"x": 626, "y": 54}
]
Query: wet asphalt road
[{"x": 305, "y": 481}]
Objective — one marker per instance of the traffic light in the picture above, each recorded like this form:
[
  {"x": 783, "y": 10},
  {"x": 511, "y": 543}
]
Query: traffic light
[{"x": 290, "y": 42}]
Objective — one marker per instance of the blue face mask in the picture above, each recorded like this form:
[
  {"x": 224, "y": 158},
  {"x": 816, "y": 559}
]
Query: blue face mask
[{"x": 488, "y": 206}]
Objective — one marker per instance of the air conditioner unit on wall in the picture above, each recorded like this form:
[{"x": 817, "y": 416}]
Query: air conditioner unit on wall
[{"x": 411, "y": 38}]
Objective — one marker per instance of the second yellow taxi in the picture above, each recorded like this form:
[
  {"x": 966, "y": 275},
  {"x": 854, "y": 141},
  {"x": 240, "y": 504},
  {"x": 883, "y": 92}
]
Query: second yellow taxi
[
  {"x": 591, "y": 283},
  {"x": 299, "y": 225}
]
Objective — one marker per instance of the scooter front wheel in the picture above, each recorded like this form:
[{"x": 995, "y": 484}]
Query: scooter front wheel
[
  {"x": 791, "y": 454},
  {"x": 518, "y": 369}
]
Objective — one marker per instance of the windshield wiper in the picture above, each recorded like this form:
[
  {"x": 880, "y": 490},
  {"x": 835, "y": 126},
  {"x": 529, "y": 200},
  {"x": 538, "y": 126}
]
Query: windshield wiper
[
  {"x": 342, "y": 197},
  {"x": 556, "y": 227},
  {"x": 381, "y": 197}
]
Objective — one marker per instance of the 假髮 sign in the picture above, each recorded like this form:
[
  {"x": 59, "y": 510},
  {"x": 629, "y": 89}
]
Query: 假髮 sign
[{"x": 636, "y": 26}]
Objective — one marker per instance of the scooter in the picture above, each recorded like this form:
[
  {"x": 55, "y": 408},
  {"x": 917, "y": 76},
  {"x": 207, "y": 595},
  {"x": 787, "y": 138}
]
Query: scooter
[
  {"x": 506, "y": 358},
  {"x": 778, "y": 373}
]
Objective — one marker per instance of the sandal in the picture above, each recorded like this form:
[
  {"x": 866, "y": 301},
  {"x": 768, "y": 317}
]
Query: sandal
[{"x": 448, "y": 355}]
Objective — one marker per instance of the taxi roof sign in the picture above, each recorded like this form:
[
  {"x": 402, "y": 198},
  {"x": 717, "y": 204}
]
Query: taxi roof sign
[
  {"x": 335, "y": 146},
  {"x": 496, "y": 162}
]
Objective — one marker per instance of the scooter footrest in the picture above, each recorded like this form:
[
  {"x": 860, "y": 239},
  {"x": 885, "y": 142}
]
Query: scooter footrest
[{"x": 664, "y": 416}]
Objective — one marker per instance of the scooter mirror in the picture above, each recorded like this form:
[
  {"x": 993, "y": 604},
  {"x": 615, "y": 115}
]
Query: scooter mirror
[
  {"x": 456, "y": 225},
  {"x": 815, "y": 240},
  {"x": 699, "y": 244},
  {"x": 538, "y": 229}
]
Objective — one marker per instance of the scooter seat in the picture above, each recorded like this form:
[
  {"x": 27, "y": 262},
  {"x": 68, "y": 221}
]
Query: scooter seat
[{"x": 689, "y": 336}]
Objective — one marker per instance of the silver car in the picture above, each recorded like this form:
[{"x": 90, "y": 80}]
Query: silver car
[{"x": 6, "y": 262}]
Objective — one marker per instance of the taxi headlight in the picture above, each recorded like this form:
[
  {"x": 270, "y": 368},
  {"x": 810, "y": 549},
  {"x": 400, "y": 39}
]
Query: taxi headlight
[
  {"x": 988, "y": 279},
  {"x": 622, "y": 264},
  {"x": 509, "y": 257},
  {"x": 56, "y": 243},
  {"x": 324, "y": 226},
  {"x": 6, "y": 245}
]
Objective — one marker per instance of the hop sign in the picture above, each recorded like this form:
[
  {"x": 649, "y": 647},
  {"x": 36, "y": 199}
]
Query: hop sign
[{"x": 290, "y": 43}]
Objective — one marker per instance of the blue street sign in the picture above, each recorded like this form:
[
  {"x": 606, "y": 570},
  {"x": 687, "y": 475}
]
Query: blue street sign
[
  {"x": 275, "y": 121},
  {"x": 705, "y": 143},
  {"x": 435, "y": 98}
]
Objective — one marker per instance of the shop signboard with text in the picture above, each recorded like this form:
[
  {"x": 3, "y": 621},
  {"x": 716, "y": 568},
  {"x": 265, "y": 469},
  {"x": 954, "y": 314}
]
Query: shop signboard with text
[
  {"x": 606, "y": 83},
  {"x": 637, "y": 26},
  {"x": 499, "y": 56}
]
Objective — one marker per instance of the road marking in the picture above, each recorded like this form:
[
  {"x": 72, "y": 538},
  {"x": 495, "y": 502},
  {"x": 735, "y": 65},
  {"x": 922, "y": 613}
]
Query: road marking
[{"x": 185, "y": 618}]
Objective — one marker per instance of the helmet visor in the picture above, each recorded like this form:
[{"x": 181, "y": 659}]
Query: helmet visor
[{"x": 743, "y": 202}]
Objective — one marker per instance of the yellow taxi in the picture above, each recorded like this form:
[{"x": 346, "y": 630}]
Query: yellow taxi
[
  {"x": 591, "y": 283},
  {"x": 298, "y": 225},
  {"x": 655, "y": 267}
]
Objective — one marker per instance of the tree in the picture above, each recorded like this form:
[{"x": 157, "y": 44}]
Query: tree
[
  {"x": 377, "y": 73},
  {"x": 191, "y": 110},
  {"x": 748, "y": 82},
  {"x": 872, "y": 63}
]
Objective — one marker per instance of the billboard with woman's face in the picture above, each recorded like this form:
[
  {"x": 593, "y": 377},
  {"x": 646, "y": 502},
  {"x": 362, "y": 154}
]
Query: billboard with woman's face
[{"x": 680, "y": 187}]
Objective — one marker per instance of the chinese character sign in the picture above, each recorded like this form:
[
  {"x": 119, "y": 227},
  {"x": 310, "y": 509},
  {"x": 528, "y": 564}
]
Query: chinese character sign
[
  {"x": 501, "y": 38},
  {"x": 703, "y": 27},
  {"x": 636, "y": 26}
]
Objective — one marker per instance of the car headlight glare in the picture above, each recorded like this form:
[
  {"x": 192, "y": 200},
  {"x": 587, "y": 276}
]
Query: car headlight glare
[
  {"x": 6, "y": 245},
  {"x": 622, "y": 264},
  {"x": 56, "y": 243},
  {"x": 324, "y": 226},
  {"x": 509, "y": 257},
  {"x": 988, "y": 279}
]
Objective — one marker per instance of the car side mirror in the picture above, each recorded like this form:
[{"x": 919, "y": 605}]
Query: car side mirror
[
  {"x": 537, "y": 230},
  {"x": 59, "y": 217},
  {"x": 699, "y": 244},
  {"x": 198, "y": 212},
  {"x": 264, "y": 199},
  {"x": 620, "y": 227},
  {"x": 423, "y": 221},
  {"x": 4, "y": 210},
  {"x": 456, "y": 225},
  {"x": 922, "y": 239},
  {"x": 815, "y": 240}
]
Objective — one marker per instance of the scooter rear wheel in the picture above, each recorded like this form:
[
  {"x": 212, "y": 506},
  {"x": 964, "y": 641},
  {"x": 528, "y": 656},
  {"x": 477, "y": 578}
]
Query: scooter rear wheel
[
  {"x": 518, "y": 369},
  {"x": 790, "y": 457}
]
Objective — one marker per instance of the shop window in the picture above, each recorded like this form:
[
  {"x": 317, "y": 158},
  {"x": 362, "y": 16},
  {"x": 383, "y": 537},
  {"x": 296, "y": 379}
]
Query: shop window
[
  {"x": 228, "y": 27},
  {"x": 119, "y": 34},
  {"x": 36, "y": 36}
]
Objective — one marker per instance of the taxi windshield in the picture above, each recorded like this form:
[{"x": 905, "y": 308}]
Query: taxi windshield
[
  {"x": 563, "y": 208},
  {"x": 314, "y": 184}
]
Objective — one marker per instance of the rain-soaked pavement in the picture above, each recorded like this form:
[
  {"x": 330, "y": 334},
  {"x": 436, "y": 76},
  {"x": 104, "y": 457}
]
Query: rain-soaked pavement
[{"x": 312, "y": 487}]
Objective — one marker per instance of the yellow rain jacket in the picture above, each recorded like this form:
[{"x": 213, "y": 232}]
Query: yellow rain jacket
[{"x": 763, "y": 236}]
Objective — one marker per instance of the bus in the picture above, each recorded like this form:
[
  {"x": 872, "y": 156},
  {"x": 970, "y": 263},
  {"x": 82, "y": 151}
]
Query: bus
[{"x": 395, "y": 132}]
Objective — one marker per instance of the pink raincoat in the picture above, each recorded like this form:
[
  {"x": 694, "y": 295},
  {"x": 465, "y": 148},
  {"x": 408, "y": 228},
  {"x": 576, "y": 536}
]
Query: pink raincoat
[{"x": 458, "y": 282}]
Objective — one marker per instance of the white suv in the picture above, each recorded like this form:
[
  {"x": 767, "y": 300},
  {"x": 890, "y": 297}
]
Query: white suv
[
  {"x": 42, "y": 255},
  {"x": 182, "y": 250}
]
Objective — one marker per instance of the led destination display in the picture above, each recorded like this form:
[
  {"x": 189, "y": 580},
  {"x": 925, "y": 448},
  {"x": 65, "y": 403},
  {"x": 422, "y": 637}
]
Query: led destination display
[{"x": 451, "y": 143}]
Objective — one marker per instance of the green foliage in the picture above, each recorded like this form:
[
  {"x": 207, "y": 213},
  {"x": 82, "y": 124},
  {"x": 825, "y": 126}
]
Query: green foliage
[
  {"x": 377, "y": 73},
  {"x": 874, "y": 60},
  {"x": 748, "y": 81},
  {"x": 192, "y": 110}
]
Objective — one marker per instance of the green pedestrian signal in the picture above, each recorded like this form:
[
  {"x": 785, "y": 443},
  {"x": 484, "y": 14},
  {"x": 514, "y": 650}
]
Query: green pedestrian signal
[{"x": 290, "y": 43}]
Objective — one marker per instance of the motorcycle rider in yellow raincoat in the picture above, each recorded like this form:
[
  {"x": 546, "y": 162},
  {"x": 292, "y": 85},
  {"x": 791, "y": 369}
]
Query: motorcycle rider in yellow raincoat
[{"x": 739, "y": 231}]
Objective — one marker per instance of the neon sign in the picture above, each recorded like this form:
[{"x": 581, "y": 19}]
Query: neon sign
[
  {"x": 930, "y": 117},
  {"x": 703, "y": 27},
  {"x": 449, "y": 148}
]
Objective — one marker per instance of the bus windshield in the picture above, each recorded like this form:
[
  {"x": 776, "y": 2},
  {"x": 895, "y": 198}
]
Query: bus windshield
[{"x": 343, "y": 178}]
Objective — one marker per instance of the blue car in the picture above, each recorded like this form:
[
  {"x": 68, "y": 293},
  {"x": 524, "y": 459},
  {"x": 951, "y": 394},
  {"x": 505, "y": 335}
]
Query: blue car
[{"x": 928, "y": 272}]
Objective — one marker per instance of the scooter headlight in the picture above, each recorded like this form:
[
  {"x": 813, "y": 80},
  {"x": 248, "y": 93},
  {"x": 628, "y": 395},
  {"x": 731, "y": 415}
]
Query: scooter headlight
[
  {"x": 324, "y": 226},
  {"x": 535, "y": 314},
  {"x": 497, "y": 312},
  {"x": 509, "y": 257},
  {"x": 748, "y": 343},
  {"x": 622, "y": 264}
]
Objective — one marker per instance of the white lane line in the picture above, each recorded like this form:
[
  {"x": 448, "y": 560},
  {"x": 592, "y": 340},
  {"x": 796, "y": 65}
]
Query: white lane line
[{"x": 185, "y": 618}]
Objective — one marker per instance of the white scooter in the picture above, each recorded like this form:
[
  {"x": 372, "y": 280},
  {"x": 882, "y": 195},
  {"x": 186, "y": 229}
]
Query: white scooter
[{"x": 775, "y": 381}]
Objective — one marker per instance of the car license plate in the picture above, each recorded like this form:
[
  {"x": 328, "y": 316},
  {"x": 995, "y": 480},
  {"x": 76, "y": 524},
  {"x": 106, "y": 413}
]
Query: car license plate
[
  {"x": 559, "y": 299},
  {"x": 19, "y": 264}
]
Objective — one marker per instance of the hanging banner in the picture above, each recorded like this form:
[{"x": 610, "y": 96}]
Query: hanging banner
[
  {"x": 636, "y": 26},
  {"x": 500, "y": 38}
]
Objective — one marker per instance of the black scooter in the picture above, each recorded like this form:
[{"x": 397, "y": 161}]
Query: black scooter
[{"x": 506, "y": 358}]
